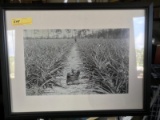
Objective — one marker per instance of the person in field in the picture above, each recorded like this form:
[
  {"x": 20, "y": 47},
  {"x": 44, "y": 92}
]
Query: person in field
[{"x": 73, "y": 77}]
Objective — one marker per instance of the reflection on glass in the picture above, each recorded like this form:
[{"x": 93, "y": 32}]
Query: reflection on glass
[
  {"x": 139, "y": 31},
  {"x": 11, "y": 52},
  {"x": 65, "y": 1}
]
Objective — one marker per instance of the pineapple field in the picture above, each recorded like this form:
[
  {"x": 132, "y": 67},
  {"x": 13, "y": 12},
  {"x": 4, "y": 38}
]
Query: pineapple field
[{"x": 76, "y": 61}]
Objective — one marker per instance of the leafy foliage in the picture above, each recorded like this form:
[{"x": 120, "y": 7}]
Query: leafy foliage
[
  {"x": 106, "y": 62},
  {"x": 139, "y": 56},
  {"x": 44, "y": 60}
]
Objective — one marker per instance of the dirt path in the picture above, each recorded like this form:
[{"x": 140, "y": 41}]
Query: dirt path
[{"x": 73, "y": 62}]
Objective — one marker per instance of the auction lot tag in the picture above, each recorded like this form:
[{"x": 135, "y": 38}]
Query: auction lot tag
[{"x": 21, "y": 21}]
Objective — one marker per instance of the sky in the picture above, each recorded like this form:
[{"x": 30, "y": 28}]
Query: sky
[
  {"x": 11, "y": 42},
  {"x": 139, "y": 27}
]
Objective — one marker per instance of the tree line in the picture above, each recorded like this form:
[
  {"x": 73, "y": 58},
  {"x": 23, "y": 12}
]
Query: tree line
[{"x": 76, "y": 33}]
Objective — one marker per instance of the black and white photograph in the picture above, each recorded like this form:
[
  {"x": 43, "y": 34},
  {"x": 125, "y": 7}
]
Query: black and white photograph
[
  {"x": 88, "y": 59},
  {"x": 76, "y": 61}
]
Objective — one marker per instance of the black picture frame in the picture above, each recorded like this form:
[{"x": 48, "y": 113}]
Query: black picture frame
[{"x": 6, "y": 83}]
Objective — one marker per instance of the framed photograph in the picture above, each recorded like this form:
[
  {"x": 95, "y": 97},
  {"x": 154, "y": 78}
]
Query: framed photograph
[{"x": 70, "y": 60}]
